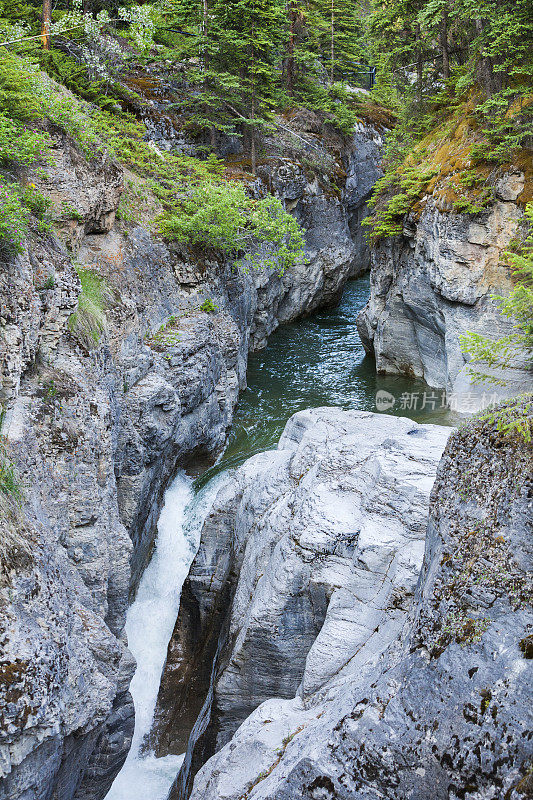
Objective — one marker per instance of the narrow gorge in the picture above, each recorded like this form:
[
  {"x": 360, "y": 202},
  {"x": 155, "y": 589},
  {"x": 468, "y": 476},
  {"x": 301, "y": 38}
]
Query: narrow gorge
[{"x": 266, "y": 531}]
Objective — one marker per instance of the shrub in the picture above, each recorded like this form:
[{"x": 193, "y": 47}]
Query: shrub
[
  {"x": 36, "y": 201},
  {"x": 20, "y": 144},
  {"x": 13, "y": 219},
  {"x": 208, "y": 306},
  {"x": 26, "y": 95},
  {"x": 223, "y": 217}
]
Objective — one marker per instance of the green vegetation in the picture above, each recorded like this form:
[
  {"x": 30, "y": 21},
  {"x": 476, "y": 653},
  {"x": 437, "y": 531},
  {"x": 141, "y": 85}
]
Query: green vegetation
[
  {"x": 201, "y": 207},
  {"x": 21, "y": 145},
  {"x": 492, "y": 353},
  {"x": 10, "y": 486},
  {"x": 208, "y": 307},
  {"x": 16, "y": 204},
  {"x": 9, "y": 482},
  {"x": 513, "y": 419},
  {"x": 13, "y": 219},
  {"x": 225, "y": 218},
  {"x": 88, "y": 322},
  {"x": 459, "y": 75},
  {"x": 167, "y": 336},
  {"x": 27, "y": 100},
  {"x": 462, "y": 628},
  {"x": 456, "y": 75}
]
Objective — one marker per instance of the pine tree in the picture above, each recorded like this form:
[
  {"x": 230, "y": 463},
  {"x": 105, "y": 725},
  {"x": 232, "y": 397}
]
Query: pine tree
[
  {"x": 337, "y": 32},
  {"x": 239, "y": 71}
]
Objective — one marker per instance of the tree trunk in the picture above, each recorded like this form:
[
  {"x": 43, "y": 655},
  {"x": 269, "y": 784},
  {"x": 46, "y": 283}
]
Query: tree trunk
[
  {"x": 252, "y": 111},
  {"x": 204, "y": 56},
  {"x": 332, "y": 38},
  {"x": 419, "y": 64},
  {"x": 443, "y": 35},
  {"x": 45, "y": 29},
  {"x": 484, "y": 66},
  {"x": 290, "y": 69}
]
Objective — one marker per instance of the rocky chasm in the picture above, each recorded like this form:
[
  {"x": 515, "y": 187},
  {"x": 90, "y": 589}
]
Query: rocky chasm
[
  {"x": 98, "y": 432},
  {"x": 366, "y": 605},
  {"x": 322, "y": 655}
]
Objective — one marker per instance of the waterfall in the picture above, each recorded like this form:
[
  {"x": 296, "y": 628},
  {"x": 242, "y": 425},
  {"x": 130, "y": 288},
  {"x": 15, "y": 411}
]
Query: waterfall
[{"x": 149, "y": 626}]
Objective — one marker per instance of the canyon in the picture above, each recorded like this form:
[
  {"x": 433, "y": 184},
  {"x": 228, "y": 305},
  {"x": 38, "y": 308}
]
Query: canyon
[{"x": 328, "y": 626}]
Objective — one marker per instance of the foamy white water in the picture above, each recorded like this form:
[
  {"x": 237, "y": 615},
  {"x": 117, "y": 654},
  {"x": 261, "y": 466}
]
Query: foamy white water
[{"x": 149, "y": 626}]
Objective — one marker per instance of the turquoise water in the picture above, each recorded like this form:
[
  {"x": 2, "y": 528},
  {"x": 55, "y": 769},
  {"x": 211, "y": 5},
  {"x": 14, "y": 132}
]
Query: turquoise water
[{"x": 319, "y": 361}]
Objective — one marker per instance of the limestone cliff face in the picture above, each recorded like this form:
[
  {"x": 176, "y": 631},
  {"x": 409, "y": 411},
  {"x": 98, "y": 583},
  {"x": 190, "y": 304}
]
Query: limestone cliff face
[
  {"x": 304, "y": 577},
  {"x": 434, "y": 283},
  {"x": 97, "y": 431},
  {"x": 406, "y": 690}
]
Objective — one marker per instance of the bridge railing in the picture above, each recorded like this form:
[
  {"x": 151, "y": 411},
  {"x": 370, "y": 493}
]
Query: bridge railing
[{"x": 361, "y": 75}]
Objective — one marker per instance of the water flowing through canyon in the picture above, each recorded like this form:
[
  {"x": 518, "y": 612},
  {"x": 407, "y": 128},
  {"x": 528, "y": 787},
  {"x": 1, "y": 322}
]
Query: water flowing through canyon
[
  {"x": 149, "y": 626},
  {"x": 317, "y": 361}
]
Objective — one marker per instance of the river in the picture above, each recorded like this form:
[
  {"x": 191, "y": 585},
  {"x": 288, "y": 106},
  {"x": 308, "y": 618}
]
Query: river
[{"x": 317, "y": 361}]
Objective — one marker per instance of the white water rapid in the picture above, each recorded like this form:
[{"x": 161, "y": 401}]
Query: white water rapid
[{"x": 149, "y": 626}]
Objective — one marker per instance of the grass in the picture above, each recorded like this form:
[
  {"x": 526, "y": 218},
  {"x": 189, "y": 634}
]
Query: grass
[
  {"x": 167, "y": 336},
  {"x": 14, "y": 541},
  {"x": 9, "y": 484},
  {"x": 88, "y": 322}
]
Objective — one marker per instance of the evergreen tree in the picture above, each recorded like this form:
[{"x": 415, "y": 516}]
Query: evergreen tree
[
  {"x": 239, "y": 47},
  {"x": 335, "y": 36},
  {"x": 248, "y": 48}
]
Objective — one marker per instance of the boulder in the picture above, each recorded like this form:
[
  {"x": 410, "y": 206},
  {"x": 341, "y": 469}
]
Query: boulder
[
  {"x": 430, "y": 700},
  {"x": 305, "y": 576}
]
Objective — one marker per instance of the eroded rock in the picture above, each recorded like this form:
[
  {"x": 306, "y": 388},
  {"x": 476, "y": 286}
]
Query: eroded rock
[
  {"x": 435, "y": 283},
  {"x": 97, "y": 424},
  {"x": 443, "y": 709},
  {"x": 305, "y": 575}
]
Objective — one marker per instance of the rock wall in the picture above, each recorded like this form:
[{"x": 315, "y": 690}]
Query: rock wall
[
  {"x": 97, "y": 431},
  {"x": 305, "y": 575},
  {"x": 398, "y": 698},
  {"x": 434, "y": 283}
]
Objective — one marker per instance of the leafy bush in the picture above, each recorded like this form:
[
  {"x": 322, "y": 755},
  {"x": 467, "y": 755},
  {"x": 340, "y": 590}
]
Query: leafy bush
[
  {"x": 20, "y": 144},
  {"x": 26, "y": 95},
  {"x": 36, "y": 201},
  {"x": 13, "y": 219},
  {"x": 223, "y": 217},
  {"x": 67, "y": 71},
  {"x": 208, "y": 307}
]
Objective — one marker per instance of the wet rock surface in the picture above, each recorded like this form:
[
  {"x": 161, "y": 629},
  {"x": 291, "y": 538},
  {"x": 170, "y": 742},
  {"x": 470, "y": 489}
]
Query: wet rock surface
[{"x": 442, "y": 708}]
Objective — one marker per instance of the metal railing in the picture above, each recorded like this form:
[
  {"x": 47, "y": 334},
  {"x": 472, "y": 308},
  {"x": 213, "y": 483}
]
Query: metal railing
[{"x": 362, "y": 75}]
